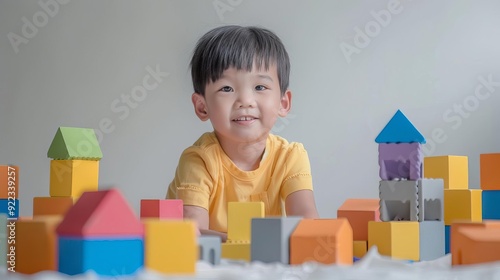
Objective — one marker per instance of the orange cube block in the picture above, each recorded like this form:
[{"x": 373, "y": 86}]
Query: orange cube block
[
  {"x": 36, "y": 244},
  {"x": 475, "y": 245},
  {"x": 490, "y": 171},
  {"x": 359, "y": 212},
  {"x": 327, "y": 241},
  {"x": 43, "y": 206},
  {"x": 9, "y": 181},
  {"x": 456, "y": 239}
]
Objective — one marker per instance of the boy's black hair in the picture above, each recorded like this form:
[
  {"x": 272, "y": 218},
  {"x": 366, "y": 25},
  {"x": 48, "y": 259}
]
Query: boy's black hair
[{"x": 238, "y": 47}]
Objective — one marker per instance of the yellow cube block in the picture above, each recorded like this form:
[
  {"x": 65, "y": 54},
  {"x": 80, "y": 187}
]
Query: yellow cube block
[
  {"x": 170, "y": 246},
  {"x": 71, "y": 178},
  {"x": 454, "y": 170},
  {"x": 239, "y": 219},
  {"x": 360, "y": 248},
  {"x": 462, "y": 205},
  {"x": 236, "y": 251},
  {"x": 399, "y": 239}
]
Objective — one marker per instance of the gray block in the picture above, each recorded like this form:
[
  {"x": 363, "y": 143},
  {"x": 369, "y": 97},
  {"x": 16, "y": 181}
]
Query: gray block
[
  {"x": 431, "y": 200},
  {"x": 271, "y": 238},
  {"x": 3, "y": 241},
  {"x": 431, "y": 240},
  {"x": 398, "y": 200},
  {"x": 210, "y": 249},
  {"x": 420, "y": 200}
]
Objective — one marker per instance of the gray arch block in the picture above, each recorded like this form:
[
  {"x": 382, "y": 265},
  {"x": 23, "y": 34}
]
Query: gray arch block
[
  {"x": 210, "y": 249},
  {"x": 420, "y": 200}
]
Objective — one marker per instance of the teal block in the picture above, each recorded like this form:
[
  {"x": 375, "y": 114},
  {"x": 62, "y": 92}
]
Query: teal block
[
  {"x": 10, "y": 207},
  {"x": 491, "y": 204},
  {"x": 446, "y": 239},
  {"x": 106, "y": 257}
]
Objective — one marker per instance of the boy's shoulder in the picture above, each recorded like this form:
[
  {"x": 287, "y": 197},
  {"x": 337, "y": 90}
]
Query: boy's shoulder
[{"x": 280, "y": 143}]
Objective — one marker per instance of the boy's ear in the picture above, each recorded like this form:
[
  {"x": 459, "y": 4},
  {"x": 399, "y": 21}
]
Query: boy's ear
[
  {"x": 200, "y": 108},
  {"x": 286, "y": 104}
]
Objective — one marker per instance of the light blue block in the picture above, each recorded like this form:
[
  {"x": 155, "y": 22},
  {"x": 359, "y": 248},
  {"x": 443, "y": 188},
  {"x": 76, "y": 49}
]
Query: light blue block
[
  {"x": 209, "y": 249},
  {"x": 13, "y": 212},
  {"x": 432, "y": 239},
  {"x": 446, "y": 239},
  {"x": 491, "y": 204},
  {"x": 106, "y": 257}
]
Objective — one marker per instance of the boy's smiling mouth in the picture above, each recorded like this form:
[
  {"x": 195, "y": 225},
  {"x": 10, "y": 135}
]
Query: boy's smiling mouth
[{"x": 245, "y": 119}]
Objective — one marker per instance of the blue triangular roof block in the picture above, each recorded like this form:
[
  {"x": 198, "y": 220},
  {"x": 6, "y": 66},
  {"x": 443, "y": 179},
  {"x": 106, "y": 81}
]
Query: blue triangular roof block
[{"x": 399, "y": 130}]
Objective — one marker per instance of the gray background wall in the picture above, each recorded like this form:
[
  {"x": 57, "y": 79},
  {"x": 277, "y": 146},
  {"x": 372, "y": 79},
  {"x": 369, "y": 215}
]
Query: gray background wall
[{"x": 427, "y": 59}]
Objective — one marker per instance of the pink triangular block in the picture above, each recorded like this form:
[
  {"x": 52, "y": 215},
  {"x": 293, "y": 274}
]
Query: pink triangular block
[{"x": 101, "y": 214}]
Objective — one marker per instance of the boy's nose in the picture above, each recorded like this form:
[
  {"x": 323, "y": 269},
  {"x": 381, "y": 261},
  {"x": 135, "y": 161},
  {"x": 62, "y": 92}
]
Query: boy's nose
[{"x": 246, "y": 99}]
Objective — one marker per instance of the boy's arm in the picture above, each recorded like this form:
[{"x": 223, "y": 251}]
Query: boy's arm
[
  {"x": 301, "y": 203},
  {"x": 200, "y": 216}
]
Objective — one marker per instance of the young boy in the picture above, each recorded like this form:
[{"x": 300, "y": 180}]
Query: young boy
[{"x": 240, "y": 78}]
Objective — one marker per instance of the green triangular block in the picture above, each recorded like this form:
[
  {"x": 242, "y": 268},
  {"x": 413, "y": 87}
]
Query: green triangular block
[{"x": 75, "y": 143}]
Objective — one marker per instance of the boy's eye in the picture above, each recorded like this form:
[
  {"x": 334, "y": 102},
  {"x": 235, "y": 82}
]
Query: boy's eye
[
  {"x": 226, "y": 89},
  {"x": 260, "y": 87}
]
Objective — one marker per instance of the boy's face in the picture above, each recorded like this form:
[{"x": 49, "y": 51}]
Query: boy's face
[{"x": 243, "y": 106}]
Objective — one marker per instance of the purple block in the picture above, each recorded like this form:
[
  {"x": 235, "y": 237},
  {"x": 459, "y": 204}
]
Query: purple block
[{"x": 400, "y": 161}]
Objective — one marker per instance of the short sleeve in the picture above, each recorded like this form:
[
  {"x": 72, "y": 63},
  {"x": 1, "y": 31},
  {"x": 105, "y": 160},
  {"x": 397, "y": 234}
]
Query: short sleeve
[
  {"x": 193, "y": 182},
  {"x": 298, "y": 171}
]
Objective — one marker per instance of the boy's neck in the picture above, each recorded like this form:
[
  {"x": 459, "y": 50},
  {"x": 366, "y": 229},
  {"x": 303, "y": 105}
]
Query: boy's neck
[{"x": 246, "y": 156}]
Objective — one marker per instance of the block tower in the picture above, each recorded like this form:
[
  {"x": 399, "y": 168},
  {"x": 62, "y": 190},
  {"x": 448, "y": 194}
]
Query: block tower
[
  {"x": 490, "y": 185},
  {"x": 411, "y": 208},
  {"x": 461, "y": 204},
  {"x": 74, "y": 169},
  {"x": 9, "y": 190}
]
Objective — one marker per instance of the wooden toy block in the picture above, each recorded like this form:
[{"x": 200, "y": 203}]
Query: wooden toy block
[
  {"x": 489, "y": 165},
  {"x": 327, "y": 241},
  {"x": 446, "y": 239},
  {"x": 456, "y": 239},
  {"x": 10, "y": 207},
  {"x": 490, "y": 204},
  {"x": 453, "y": 169},
  {"x": 162, "y": 208},
  {"x": 239, "y": 217},
  {"x": 110, "y": 256},
  {"x": 9, "y": 181},
  {"x": 399, "y": 240},
  {"x": 399, "y": 130},
  {"x": 36, "y": 244},
  {"x": 477, "y": 245},
  {"x": 100, "y": 213},
  {"x": 462, "y": 205},
  {"x": 235, "y": 250},
  {"x": 4, "y": 245},
  {"x": 360, "y": 248},
  {"x": 398, "y": 200},
  {"x": 43, "y": 206},
  {"x": 271, "y": 238},
  {"x": 432, "y": 239},
  {"x": 75, "y": 143},
  {"x": 73, "y": 177},
  {"x": 170, "y": 246},
  {"x": 209, "y": 249},
  {"x": 358, "y": 212},
  {"x": 400, "y": 161}
]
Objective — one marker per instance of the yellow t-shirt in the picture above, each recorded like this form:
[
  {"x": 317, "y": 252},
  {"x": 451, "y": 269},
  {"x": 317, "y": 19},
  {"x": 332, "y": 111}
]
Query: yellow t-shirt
[{"x": 206, "y": 177}]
